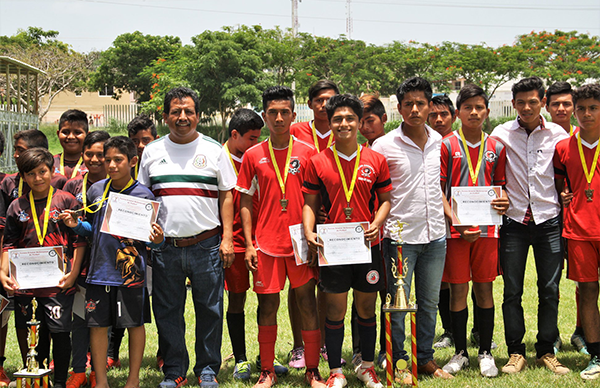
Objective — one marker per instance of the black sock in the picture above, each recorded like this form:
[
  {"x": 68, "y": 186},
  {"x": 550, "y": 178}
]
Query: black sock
[
  {"x": 367, "y": 331},
  {"x": 61, "y": 354},
  {"x": 236, "y": 323},
  {"x": 444, "y": 308},
  {"x": 486, "y": 329},
  {"x": 2, "y": 359},
  {"x": 578, "y": 331},
  {"x": 475, "y": 313},
  {"x": 116, "y": 336},
  {"x": 459, "y": 330},
  {"x": 593, "y": 348},
  {"x": 355, "y": 330},
  {"x": 334, "y": 338}
]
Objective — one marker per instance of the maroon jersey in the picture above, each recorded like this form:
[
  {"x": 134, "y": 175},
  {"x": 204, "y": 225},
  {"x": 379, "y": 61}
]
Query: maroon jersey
[{"x": 69, "y": 167}]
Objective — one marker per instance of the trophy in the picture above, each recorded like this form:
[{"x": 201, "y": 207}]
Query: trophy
[{"x": 401, "y": 302}]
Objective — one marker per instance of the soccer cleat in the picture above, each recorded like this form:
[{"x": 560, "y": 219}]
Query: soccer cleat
[
  {"x": 369, "y": 377},
  {"x": 557, "y": 344},
  {"x": 592, "y": 371},
  {"x": 487, "y": 365},
  {"x": 159, "y": 362},
  {"x": 173, "y": 383},
  {"x": 578, "y": 342},
  {"x": 112, "y": 363},
  {"x": 313, "y": 378},
  {"x": 381, "y": 361},
  {"x": 516, "y": 363},
  {"x": 457, "y": 363},
  {"x": 325, "y": 356},
  {"x": 76, "y": 380},
  {"x": 242, "y": 370},
  {"x": 356, "y": 361},
  {"x": 4, "y": 379},
  {"x": 92, "y": 379},
  {"x": 266, "y": 380},
  {"x": 550, "y": 361},
  {"x": 445, "y": 341},
  {"x": 297, "y": 360},
  {"x": 208, "y": 380},
  {"x": 279, "y": 368},
  {"x": 336, "y": 380}
]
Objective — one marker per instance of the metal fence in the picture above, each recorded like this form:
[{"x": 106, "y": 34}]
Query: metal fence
[
  {"x": 119, "y": 113},
  {"x": 12, "y": 121}
]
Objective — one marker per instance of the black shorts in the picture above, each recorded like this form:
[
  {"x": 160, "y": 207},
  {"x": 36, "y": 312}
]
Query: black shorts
[
  {"x": 53, "y": 311},
  {"x": 121, "y": 307},
  {"x": 337, "y": 279}
]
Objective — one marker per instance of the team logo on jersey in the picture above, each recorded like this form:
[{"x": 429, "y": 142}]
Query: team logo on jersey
[
  {"x": 294, "y": 167},
  {"x": 90, "y": 305},
  {"x": 372, "y": 276},
  {"x": 258, "y": 283},
  {"x": 23, "y": 217},
  {"x": 163, "y": 161},
  {"x": 54, "y": 215},
  {"x": 490, "y": 156},
  {"x": 365, "y": 171},
  {"x": 263, "y": 160},
  {"x": 200, "y": 161},
  {"x": 14, "y": 193},
  {"x": 457, "y": 155},
  {"x": 79, "y": 197}
]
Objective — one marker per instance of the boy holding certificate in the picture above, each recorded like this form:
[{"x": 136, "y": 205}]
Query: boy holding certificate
[
  {"x": 469, "y": 157},
  {"x": 576, "y": 159},
  {"x": 32, "y": 222},
  {"x": 116, "y": 290},
  {"x": 347, "y": 178}
]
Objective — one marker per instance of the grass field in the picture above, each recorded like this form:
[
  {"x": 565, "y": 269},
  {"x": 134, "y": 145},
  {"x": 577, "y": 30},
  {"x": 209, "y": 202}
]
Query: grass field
[{"x": 533, "y": 377}]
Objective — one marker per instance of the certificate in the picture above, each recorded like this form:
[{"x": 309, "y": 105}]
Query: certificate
[
  {"x": 130, "y": 217},
  {"x": 299, "y": 244},
  {"x": 36, "y": 267},
  {"x": 471, "y": 205},
  {"x": 343, "y": 244}
]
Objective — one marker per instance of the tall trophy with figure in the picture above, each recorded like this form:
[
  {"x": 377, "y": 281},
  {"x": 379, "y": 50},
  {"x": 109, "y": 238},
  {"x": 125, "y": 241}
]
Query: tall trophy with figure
[{"x": 400, "y": 303}]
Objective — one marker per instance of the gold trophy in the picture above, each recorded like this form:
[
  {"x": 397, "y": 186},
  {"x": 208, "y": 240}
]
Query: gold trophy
[
  {"x": 33, "y": 376},
  {"x": 401, "y": 302}
]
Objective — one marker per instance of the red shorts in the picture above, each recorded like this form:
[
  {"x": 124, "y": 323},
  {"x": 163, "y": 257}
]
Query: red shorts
[
  {"x": 237, "y": 277},
  {"x": 467, "y": 261},
  {"x": 269, "y": 278},
  {"x": 583, "y": 260}
]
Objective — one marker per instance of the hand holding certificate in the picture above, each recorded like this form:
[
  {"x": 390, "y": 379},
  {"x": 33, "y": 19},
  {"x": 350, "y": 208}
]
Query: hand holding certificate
[
  {"x": 477, "y": 205},
  {"x": 343, "y": 244},
  {"x": 130, "y": 217},
  {"x": 36, "y": 267}
]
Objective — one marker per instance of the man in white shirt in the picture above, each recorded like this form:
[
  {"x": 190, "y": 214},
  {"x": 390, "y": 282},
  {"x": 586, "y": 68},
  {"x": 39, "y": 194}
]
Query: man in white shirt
[
  {"x": 412, "y": 152},
  {"x": 532, "y": 219}
]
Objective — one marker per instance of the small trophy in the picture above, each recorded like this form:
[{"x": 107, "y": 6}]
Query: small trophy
[
  {"x": 401, "y": 302},
  {"x": 33, "y": 376}
]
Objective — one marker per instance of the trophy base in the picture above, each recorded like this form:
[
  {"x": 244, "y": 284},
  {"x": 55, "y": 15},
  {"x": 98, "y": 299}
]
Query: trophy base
[
  {"x": 26, "y": 379},
  {"x": 386, "y": 308}
]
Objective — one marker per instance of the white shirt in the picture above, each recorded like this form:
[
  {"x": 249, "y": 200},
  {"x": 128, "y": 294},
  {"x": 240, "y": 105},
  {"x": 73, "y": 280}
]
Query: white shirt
[
  {"x": 529, "y": 169},
  {"x": 417, "y": 193}
]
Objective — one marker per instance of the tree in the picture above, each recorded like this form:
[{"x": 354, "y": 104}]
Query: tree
[{"x": 122, "y": 65}]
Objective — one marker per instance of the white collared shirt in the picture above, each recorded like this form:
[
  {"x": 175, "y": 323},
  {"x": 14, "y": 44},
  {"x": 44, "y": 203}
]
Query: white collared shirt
[
  {"x": 417, "y": 193},
  {"x": 529, "y": 169}
]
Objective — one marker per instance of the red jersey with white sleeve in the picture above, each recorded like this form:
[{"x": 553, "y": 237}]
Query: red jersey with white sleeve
[
  {"x": 239, "y": 242},
  {"x": 454, "y": 169},
  {"x": 581, "y": 217},
  {"x": 304, "y": 131},
  {"x": 258, "y": 175},
  {"x": 323, "y": 177}
]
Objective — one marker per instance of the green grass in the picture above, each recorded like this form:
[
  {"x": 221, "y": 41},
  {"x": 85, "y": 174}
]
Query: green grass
[{"x": 532, "y": 377}]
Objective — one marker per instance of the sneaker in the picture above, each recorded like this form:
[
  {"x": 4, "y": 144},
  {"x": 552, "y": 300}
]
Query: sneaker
[
  {"x": 578, "y": 342},
  {"x": 557, "y": 344},
  {"x": 296, "y": 357},
  {"x": 266, "y": 380},
  {"x": 76, "y": 380},
  {"x": 356, "y": 362},
  {"x": 433, "y": 369},
  {"x": 515, "y": 364},
  {"x": 242, "y": 370},
  {"x": 279, "y": 368},
  {"x": 457, "y": 363},
  {"x": 173, "y": 383},
  {"x": 92, "y": 379},
  {"x": 208, "y": 380},
  {"x": 592, "y": 371},
  {"x": 369, "y": 377},
  {"x": 325, "y": 357},
  {"x": 487, "y": 365},
  {"x": 112, "y": 363},
  {"x": 313, "y": 378},
  {"x": 4, "y": 380},
  {"x": 550, "y": 361},
  {"x": 445, "y": 341},
  {"x": 336, "y": 380},
  {"x": 475, "y": 340},
  {"x": 381, "y": 361}
]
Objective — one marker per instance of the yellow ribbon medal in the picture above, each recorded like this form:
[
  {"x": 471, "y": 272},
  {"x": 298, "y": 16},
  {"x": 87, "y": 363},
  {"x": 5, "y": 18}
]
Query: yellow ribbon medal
[
  {"x": 283, "y": 201},
  {"x": 75, "y": 170},
  {"x": 347, "y": 192},
  {"x": 41, "y": 236},
  {"x": 473, "y": 173},
  {"x": 231, "y": 159},
  {"x": 88, "y": 209},
  {"x": 589, "y": 175},
  {"x": 314, "y": 133},
  {"x": 20, "y": 186}
]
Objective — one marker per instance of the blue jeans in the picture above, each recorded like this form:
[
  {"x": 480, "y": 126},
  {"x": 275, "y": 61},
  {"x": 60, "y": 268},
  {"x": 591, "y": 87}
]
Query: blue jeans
[
  {"x": 426, "y": 261},
  {"x": 202, "y": 265},
  {"x": 515, "y": 240}
]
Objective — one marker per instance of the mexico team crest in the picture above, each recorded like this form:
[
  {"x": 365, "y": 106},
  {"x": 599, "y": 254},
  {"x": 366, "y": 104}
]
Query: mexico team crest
[{"x": 200, "y": 161}]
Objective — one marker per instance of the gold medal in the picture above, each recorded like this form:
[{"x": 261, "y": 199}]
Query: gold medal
[
  {"x": 281, "y": 181},
  {"x": 284, "y": 203},
  {"x": 88, "y": 209},
  {"x": 347, "y": 191},
  {"x": 589, "y": 193},
  {"x": 589, "y": 175},
  {"x": 348, "y": 212},
  {"x": 314, "y": 133},
  {"x": 473, "y": 173}
]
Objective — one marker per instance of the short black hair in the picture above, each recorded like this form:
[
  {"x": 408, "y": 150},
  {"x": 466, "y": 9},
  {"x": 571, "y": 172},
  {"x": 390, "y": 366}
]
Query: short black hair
[
  {"x": 277, "y": 93},
  {"x": 74, "y": 116},
  {"x": 527, "y": 85},
  {"x": 322, "y": 85},
  {"x": 95, "y": 137},
  {"x": 587, "y": 91},
  {"x": 244, "y": 120},
  {"x": 123, "y": 144},
  {"x": 32, "y": 158},
  {"x": 561, "y": 87},
  {"x": 141, "y": 123},
  {"x": 470, "y": 91},
  {"x": 344, "y": 100},
  {"x": 372, "y": 104},
  {"x": 414, "y": 84},
  {"x": 443, "y": 101},
  {"x": 33, "y": 137},
  {"x": 179, "y": 93}
]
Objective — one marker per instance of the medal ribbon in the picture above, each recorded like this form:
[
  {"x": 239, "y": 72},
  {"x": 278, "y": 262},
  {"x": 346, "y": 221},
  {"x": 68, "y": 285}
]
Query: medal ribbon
[
  {"x": 20, "y": 186},
  {"x": 588, "y": 174},
  {"x": 571, "y": 131},
  {"x": 473, "y": 174},
  {"x": 84, "y": 190},
  {"x": 41, "y": 236},
  {"x": 231, "y": 159},
  {"x": 347, "y": 192},
  {"x": 75, "y": 170},
  {"x": 104, "y": 197},
  {"x": 287, "y": 164},
  {"x": 314, "y": 133},
  {"x": 136, "y": 169}
]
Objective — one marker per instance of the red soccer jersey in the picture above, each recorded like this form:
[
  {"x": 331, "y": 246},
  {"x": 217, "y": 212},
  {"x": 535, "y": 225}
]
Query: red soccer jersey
[
  {"x": 239, "y": 242},
  {"x": 581, "y": 217},
  {"x": 69, "y": 167},
  {"x": 272, "y": 228},
  {"x": 303, "y": 131},
  {"x": 10, "y": 186},
  {"x": 455, "y": 169},
  {"x": 322, "y": 177}
]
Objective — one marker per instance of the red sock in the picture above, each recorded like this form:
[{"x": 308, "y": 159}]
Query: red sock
[
  {"x": 312, "y": 346},
  {"x": 267, "y": 335}
]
